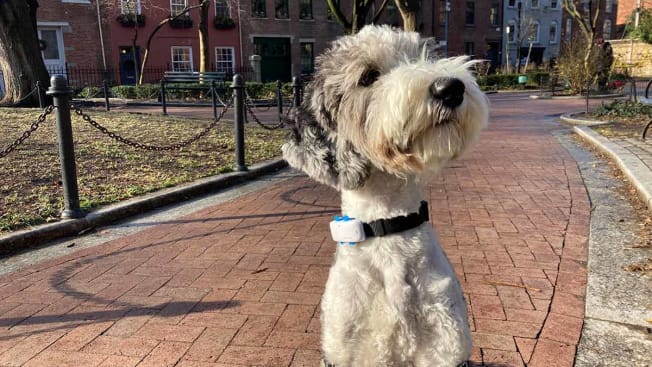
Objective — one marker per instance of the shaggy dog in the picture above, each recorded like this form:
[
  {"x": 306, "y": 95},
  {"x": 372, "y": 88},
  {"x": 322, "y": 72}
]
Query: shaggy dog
[{"x": 379, "y": 114}]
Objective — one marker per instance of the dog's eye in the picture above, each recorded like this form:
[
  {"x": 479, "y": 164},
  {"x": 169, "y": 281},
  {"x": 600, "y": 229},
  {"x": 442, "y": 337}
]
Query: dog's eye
[{"x": 369, "y": 77}]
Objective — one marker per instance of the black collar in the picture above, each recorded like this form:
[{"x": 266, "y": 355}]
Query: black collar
[{"x": 383, "y": 227}]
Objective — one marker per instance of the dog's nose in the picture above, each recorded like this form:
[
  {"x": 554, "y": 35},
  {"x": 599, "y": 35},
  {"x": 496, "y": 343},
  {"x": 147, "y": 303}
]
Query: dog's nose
[{"x": 449, "y": 90}]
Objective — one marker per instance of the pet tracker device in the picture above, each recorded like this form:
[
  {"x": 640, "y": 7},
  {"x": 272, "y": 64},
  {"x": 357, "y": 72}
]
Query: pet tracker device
[{"x": 347, "y": 230}]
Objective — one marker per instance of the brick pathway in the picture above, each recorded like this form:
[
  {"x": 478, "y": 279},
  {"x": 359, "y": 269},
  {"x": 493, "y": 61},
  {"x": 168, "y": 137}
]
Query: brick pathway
[{"x": 238, "y": 284}]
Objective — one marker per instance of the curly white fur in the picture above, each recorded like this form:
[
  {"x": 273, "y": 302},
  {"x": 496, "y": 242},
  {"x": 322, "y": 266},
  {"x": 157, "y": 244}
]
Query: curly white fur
[{"x": 393, "y": 300}]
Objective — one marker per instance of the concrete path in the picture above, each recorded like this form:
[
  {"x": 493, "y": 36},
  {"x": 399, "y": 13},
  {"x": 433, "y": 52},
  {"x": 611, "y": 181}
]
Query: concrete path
[{"x": 238, "y": 283}]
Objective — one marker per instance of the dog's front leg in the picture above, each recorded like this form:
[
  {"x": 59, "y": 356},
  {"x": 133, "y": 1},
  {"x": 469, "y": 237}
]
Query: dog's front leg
[{"x": 343, "y": 305}]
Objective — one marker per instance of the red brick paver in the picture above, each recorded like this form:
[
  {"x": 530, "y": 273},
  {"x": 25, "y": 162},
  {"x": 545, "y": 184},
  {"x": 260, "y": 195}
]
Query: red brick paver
[{"x": 238, "y": 284}]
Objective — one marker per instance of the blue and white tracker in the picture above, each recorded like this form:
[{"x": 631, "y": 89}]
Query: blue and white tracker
[{"x": 347, "y": 230}]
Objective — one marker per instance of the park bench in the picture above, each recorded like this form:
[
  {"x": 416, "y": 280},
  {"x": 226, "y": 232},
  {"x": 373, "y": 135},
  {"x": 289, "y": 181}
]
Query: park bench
[{"x": 210, "y": 81}]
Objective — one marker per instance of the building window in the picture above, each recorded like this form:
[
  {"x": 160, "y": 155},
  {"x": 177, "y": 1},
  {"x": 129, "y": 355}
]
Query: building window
[
  {"x": 534, "y": 4},
  {"x": 533, "y": 34},
  {"x": 178, "y": 6},
  {"x": 470, "y": 13},
  {"x": 305, "y": 9},
  {"x": 511, "y": 3},
  {"x": 181, "y": 58},
  {"x": 608, "y": 6},
  {"x": 224, "y": 59},
  {"x": 307, "y": 58},
  {"x": 552, "y": 37},
  {"x": 494, "y": 14},
  {"x": 258, "y": 9},
  {"x": 511, "y": 31},
  {"x": 222, "y": 9},
  {"x": 606, "y": 29},
  {"x": 569, "y": 28},
  {"x": 469, "y": 48},
  {"x": 554, "y": 4},
  {"x": 130, "y": 6},
  {"x": 281, "y": 9}
]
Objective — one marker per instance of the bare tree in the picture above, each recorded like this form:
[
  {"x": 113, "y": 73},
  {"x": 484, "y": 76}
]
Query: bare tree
[
  {"x": 409, "y": 10},
  {"x": 360, "y": 10},
  {"x": 130, "y": 8},
  {"x": 588, "y": 22},
  {"x": 525, "y": 35},
  {"x": 20, "y": 53},
  {"x": 204, "y": 55},
  {"x": 165, "y": 21}
]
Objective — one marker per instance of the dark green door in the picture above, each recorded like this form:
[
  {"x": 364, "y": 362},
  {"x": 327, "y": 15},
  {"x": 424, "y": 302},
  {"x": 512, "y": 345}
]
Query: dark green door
[{"x": 276, "y": 63}]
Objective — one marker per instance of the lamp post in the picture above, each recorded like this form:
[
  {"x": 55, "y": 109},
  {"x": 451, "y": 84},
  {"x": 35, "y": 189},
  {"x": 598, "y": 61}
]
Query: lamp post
[
  {"x": 507, "y": 39},
  {"x": 518, "y": 30}
]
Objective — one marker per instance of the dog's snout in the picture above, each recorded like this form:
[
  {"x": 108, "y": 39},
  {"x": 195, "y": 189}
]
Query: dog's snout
[{"x": 449, "y": 90}]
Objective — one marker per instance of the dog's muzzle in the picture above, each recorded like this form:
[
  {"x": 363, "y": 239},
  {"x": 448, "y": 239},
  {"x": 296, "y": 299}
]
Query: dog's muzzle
[{"x": 450, "y": 91}]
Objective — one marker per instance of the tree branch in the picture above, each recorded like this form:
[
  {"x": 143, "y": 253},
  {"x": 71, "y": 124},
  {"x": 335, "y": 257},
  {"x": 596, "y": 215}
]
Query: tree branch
[{"x": 339, "y": 16}]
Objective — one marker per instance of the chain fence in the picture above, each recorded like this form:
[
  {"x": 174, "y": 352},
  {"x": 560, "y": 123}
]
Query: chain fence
[
  {"x": 60, "y": 93},
  {"x": 121, "y": 139},
  {"x": 25, "y": 135},
  {"x": 250, "y": 109}
]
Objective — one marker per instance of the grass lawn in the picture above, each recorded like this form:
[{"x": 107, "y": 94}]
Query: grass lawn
[{"x": 109, "y": 171}]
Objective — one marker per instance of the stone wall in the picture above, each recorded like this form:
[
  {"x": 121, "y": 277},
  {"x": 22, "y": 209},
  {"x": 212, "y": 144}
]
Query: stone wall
[{"x": 633, "y": 55}]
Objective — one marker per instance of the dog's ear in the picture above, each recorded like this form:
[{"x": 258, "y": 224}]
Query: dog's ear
[
  {"x": 352, "y": 168},
  {"x": 321, "y": 155}
]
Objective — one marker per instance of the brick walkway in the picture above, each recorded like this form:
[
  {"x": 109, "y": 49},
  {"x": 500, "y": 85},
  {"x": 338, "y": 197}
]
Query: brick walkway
[{"x": 238, "y": 284}]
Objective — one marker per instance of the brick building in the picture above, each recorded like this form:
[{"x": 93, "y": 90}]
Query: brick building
[
  {"x": 473, "y": 27},
  {"x": 176, "y": 45},
  {"x": 625, "y": 9},
  {"x": 70, "y": 34},
  {"x": 606, "y": 24}
]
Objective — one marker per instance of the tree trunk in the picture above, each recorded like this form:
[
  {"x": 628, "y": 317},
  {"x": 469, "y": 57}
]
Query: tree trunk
[
  {"x": 20, "y": 55},
  {"x": 408, "y": 10},
  {"x": 204, "y": 54}
]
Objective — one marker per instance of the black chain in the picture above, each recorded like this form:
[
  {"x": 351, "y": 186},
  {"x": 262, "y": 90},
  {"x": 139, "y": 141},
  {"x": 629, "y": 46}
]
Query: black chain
[
  {"x": 138, "y": 145},
  {"x": 251, "y": 101},
  {"x": 35, "y": 125},
  {"x": 264, "y": 126}
]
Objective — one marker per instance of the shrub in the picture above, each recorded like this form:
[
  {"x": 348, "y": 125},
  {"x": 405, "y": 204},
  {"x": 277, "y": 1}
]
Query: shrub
[
  {"x": 136, "y": 91},
  {"x": 624, "y": 109},
  {"x": 90, "y": 92},
  {"x": 570, "y": 65}
]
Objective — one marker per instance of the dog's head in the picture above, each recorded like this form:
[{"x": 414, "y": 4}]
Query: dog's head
[{"x": 379, "y": 100}]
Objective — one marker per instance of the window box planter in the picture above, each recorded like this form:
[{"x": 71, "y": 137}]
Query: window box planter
[
  {"x": 181, "y": 22},
  {"x": 224, "y": 23},
  {"x": 131, "y": 20}
]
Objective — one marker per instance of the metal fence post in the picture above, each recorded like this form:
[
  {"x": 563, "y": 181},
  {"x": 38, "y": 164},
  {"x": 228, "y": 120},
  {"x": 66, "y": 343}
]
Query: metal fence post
[
  {"x": 588, "y": 91},
  {"x": 40, "y": 96},
  {"x": 105, "y": 87},
  {"x": 279, "y": 97},
  {"x": 61, "y": 93},
  {"x": 165, "y": 109},
  {"x": 239, "y": 116},
  {"x": 296, "y": 91},
  {"x": 214, "y": 98}
]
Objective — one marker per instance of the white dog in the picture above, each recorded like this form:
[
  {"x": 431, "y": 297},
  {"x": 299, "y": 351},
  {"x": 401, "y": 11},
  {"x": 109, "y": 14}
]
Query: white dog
[{"x": 378, "y": 115}]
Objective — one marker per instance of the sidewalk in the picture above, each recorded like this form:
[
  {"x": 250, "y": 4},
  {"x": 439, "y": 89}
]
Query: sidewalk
[{"x": 238, "y": 283}]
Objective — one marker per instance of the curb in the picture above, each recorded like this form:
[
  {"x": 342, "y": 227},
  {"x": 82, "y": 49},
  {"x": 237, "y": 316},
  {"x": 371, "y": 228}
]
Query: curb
[
  {"x": 636, "y": 171},
  {"x": 571, "y": 119},
  {"x": 71, "y": 227}
]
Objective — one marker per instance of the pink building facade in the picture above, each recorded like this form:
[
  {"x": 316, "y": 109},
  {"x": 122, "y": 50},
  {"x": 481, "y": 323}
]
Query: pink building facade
[{"x": 175, "y": 46}]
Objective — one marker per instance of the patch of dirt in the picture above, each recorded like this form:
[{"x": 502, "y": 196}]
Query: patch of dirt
[
  {"x": 109, "y": 171},
  {"x": 640, "y": 213},
  {"x": 621, "y": 127}
]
